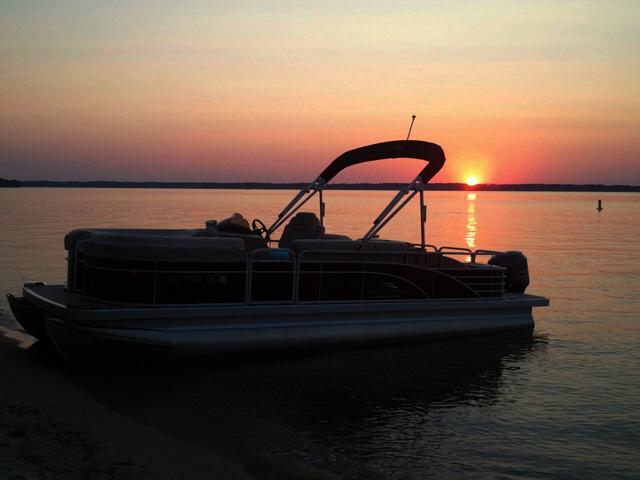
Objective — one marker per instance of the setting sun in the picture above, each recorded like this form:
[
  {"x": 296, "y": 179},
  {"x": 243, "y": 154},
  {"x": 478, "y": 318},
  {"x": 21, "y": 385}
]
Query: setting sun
[{"x": 472, "y": 181}]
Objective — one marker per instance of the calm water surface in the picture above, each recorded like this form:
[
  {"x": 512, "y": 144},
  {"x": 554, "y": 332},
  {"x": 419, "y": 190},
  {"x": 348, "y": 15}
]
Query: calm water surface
[{"x": 563, "y": 403}]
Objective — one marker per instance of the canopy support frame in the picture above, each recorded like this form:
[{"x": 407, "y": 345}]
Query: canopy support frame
[
  {"x": 302, "y": 197},
  {"x": 390, "y": 211},
  {"x": 432, "y": 153}
]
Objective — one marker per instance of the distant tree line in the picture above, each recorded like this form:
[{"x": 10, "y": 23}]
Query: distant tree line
[
  {"x": 9, "y": 183},
  {"x": 520, "y": 187}
]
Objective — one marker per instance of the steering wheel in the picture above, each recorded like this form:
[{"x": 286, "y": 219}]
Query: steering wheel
[{"x": 259, "y": 228}]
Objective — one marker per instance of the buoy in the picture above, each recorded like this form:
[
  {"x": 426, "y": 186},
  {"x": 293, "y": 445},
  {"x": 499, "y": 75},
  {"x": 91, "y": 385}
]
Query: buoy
[{"x": 599, "y": 205}]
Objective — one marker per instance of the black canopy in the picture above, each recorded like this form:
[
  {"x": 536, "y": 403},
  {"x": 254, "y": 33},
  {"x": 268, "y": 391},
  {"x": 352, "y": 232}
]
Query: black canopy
[{"x": 429, "y": 152}]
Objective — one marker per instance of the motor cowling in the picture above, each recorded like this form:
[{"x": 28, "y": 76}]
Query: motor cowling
[{"x": 517, "y": 270}]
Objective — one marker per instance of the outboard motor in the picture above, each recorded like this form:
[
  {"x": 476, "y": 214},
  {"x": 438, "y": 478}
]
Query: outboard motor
[{"x": 517, "y": 274}]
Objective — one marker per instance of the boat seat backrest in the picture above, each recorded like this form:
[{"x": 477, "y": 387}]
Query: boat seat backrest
[
  {"x": 75, "y": 237},
  {"x": 387, "y": 246},
  {"x": 376, "y": 250},
  {"x": 164, "y": 248},
  {"x": 304, "y": 225},
  {"x": 336, "y": 236},
  {"x": 388, "y": 251},
  {"x": 252, "y": 241},
  {"x": 302, "y": 245}
]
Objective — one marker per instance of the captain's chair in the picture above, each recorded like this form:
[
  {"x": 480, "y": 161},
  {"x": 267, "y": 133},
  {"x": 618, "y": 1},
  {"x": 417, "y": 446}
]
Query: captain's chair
[{"x": 303, "y": 226}]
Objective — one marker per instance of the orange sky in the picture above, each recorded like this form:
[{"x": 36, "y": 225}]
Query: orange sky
[{"x": 272, "y": 91}]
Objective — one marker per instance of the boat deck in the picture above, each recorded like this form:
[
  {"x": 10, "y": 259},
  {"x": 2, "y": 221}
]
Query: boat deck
[
  {"x": 60, "y": 295},
  {"x": 58, "y": 302}
]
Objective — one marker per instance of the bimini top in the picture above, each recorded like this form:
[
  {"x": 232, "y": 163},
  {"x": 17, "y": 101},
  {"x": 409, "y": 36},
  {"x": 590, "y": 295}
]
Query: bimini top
[
  {"x": 417, "y": 149},
  {"x": 429, "y": 152}
]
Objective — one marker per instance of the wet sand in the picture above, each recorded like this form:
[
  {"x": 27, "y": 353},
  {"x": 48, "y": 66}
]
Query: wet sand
[{"x": 51, "y": 428}]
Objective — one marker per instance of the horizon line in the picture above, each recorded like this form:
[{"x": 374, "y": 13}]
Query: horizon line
[{"x": 456, "y": 186}]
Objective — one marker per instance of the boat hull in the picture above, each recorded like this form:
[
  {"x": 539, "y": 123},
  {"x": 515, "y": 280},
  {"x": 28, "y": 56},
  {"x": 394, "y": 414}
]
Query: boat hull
[
  {"x": 30, "y": 318},
  {"x": 114, "y": 334}
]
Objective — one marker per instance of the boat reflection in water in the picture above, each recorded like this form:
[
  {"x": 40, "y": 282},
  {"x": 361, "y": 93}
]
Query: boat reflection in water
[{"x": 354, "y": 412}]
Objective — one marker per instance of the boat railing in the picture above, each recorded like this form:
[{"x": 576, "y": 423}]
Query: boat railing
[
  {"x": 293, "y": 266},
  {"x": 274, "y": 275}
]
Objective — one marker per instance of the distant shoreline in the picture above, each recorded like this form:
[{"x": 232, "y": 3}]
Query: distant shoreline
[{"x": 519, "y": 187}]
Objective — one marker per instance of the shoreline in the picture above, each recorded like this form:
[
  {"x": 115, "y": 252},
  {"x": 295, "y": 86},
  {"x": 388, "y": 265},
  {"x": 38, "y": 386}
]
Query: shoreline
[
  {"x": 52, "y": 428},
  {"x": 141, "y": 422}
]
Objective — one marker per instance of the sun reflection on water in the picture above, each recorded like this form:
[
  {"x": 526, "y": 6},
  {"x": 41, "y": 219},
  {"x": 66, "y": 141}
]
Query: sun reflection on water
[
  {"x": 470, "y": 236},
  {"x": 472, "y": 227}
]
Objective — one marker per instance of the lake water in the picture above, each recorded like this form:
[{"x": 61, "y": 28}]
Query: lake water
[{"x": 562, "y": 403}]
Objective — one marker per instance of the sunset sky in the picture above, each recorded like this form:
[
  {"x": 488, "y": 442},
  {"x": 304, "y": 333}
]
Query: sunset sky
[{"x": 540, "y": 91}]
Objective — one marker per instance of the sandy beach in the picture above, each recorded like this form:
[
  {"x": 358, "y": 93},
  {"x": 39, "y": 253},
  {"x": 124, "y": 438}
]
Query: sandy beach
[{"x": 50, "y": 428}]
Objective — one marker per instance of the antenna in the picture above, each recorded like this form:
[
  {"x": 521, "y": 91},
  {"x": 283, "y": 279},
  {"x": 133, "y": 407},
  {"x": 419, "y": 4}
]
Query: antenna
[{"x": 413, "y": 119}]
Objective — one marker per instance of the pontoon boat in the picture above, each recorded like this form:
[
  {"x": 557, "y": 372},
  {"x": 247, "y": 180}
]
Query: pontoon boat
[{"x": 229, "y": 288}]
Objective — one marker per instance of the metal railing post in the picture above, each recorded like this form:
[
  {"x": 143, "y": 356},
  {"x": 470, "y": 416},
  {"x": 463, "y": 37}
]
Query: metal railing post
[
  {"x": 321, "y": 207},
  {"x": 423, "y": 219}
]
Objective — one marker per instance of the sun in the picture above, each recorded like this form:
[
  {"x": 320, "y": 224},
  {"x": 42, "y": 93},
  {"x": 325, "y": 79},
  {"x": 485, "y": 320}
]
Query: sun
[{"x": 472, "y": 181}]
